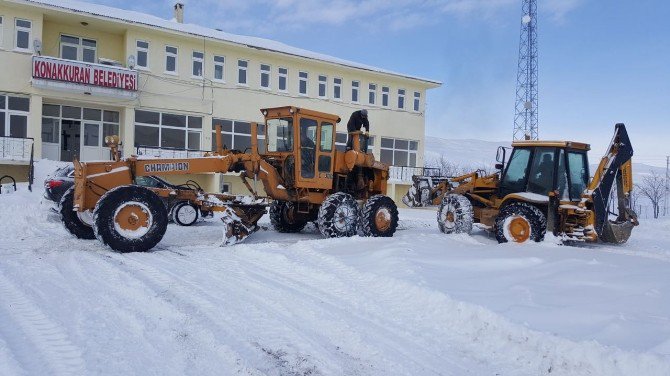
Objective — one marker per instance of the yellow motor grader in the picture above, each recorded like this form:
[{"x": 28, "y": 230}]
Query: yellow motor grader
[
  {"x": 543, "y": 187},
  {"x": 304, "y": 176}
]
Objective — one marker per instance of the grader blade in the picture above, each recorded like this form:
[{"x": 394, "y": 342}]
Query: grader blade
[{"x": 240, "y": 222}]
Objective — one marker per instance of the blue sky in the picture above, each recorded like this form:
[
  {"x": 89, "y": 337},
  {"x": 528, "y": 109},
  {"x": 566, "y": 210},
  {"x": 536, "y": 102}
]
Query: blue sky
[{"x": 600, "y": 61}]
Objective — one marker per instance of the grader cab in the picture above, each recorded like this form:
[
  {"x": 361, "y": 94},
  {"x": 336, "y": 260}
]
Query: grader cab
[
  {"x": 303, "y": 175},
  {"x": 544, "y": 186}
]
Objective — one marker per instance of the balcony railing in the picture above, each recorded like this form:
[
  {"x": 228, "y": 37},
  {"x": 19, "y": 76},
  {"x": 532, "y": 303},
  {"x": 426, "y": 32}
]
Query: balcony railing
[
  {"x": 405, "y": 173},
  {"x": 16, "y": 148},
  {"x": 163, "y": 152}
]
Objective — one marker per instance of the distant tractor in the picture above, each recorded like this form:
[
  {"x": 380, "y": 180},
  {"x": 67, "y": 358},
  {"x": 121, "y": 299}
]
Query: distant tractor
[
  {"x": 305, "y": 177},
  {"x": 543, "y": 187}
]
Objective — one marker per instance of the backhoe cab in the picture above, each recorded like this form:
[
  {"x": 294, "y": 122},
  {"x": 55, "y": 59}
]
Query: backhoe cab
[
  {"x": 544, "y": 186},
  {"x": 304, "y": 177}
]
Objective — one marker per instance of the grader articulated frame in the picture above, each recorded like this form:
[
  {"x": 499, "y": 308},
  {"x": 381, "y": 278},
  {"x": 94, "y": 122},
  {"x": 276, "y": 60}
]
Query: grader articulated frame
[
  {"x": 304, "y": 176},
  {"x": 543, "y": 187}
]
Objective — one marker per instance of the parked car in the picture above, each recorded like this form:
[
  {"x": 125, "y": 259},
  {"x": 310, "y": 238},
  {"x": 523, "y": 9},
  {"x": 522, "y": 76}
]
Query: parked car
[{"x": 181, "y": 212}]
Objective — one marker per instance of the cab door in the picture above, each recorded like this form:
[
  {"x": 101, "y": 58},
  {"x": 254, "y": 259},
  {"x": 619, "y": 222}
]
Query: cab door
[
  {"x": 325, "y": 156},
  {"x": 316, "y": 156}
]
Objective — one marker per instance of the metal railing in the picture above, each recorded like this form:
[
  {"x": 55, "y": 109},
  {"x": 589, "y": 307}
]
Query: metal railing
[
  {"x": 163, "y": 152},
  {"x": 405, "y": 173},
  {"x": 16, "y": 148}
]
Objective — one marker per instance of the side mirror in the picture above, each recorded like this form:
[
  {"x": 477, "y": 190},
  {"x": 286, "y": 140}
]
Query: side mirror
[
  {"x": 500, "y": 155},
  {"x": 499, "y": 166}
]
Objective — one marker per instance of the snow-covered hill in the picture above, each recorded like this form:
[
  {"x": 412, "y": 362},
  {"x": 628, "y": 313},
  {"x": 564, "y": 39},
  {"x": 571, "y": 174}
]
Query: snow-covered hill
[{"x": 420, "y": 303}]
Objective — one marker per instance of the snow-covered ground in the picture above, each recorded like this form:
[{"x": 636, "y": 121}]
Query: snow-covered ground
[{"x": 420, "y": 303}]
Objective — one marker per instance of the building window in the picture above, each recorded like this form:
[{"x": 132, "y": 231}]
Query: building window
[
  {"x": 354, "y": 91},
  {"x": 93, "y": 119},
  {"x": 302, "y": 82},
  {"x": 23, "y": 34},
  {"x": 219, "y": 64},
  {"x": 242, "y": 72},
  {"x": 265, "y": 76},
  {"x": 401, "y": 98},
  {"x": 142, "y": 54},
  {"x": 236, "y": 135},
  {"x": 372, "y": 93},
  {"x": 417, "y": 97},
  {"x": 168, "y": 131},
  {"x": 397, "y": 152},
  {"x": 75, "y": 48},
  {"x": 323, "y": 86},
  {"x": 341, "y": 142},
  {"x": 337, "y": 88},
  {"x": 198, "y": 64},
  {"x": 282, "y": 83},
  {"x": 171, "y": 54},
  {"x": 14, "y": 116},
  {"x": 385, "y": 96}
]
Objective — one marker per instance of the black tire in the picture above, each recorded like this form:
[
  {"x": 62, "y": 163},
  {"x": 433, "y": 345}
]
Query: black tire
[
  {"x": 454, "y": 215},
  {"x": 529, "y": 223},
  {"x": 72, "y": 220},
  {"x": 379, "y": 217},
  {"x": 283, "y": 217},
  {"x": 108, "y": 230},
  {"x": 338, "y": 216},
  {"x": 185, "y": 213}
]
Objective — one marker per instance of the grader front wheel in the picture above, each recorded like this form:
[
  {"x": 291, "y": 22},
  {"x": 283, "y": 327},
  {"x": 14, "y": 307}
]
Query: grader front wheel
[{"x": 130, "y": 219}]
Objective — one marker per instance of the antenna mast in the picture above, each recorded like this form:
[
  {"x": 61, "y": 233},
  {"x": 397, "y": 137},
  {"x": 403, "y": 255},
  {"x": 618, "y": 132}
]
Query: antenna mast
[{"x": 525, "y": 116}]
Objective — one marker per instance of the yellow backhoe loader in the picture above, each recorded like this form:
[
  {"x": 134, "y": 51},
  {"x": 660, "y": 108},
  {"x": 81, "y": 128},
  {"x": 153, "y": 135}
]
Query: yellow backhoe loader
[
  {"x": 543, "y": 187},
  {"x": 304, "y": 176}
]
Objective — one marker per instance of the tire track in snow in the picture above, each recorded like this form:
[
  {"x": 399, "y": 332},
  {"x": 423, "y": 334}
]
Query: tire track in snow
[{"x": 40, "y": 345}]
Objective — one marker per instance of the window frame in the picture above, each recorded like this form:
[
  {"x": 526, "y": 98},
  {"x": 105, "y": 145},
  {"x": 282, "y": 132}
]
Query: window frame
[
  {"x": 175, "y": 55},
  {"x": 416, "y": 104},
  {"x": 161, "y": 126},
  {"x": 18, "y": 29},
  {"x": 246, "y": 72},
  {"x": 221, "y": 64},
  {"x": 233, "y": 133},
  {"x": 338, "y": 86},
  {"x": 201, "y": 60},
  {"x": 372, "y": 94},
  {"x": 306, "y": 80},
  {"x": 79, "y": 46},
  {"x": 7, "y": 113},
  {"x": 282, "y": 75},
  {"x": 386, "y": 91},
  {"x": 357, "y": 89},
  {"x": 401, "y": 95},
  {"x": 139, "y": 49},
  {"x": 323, "y": 82},
  {"x": 395, "y": 149},
  {"x": 267, "y": 72}
]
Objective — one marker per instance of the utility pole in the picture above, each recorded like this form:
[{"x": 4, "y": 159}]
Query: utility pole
[{"x": 525, "y": 108}]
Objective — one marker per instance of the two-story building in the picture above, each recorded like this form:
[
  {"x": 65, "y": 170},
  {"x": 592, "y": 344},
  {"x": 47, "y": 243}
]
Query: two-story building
[{"x": 73, "y": 72}]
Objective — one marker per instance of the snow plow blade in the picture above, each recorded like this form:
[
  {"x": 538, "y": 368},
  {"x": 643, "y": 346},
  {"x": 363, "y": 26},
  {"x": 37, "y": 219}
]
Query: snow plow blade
[{"x": 240, "y": 221}]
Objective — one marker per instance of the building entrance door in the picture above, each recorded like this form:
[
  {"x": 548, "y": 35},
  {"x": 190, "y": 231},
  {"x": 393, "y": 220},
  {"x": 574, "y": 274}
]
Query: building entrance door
[
  {"x": 92, "y": 149},
  {"x": 70, "y": 139}
]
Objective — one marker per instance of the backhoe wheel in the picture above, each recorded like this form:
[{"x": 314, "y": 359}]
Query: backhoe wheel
[
  {"x": 185, "y": 214},
  {"x": 76, "y": 222},
  {"x": 455, "y": 214},
  {"x": 338, "y": 216},
  {"x": 379, "y": 217},
  {"x": 283, "y": 216},
  {"x": 130, "y": 219},
  {"x": 520, "y": 222}
]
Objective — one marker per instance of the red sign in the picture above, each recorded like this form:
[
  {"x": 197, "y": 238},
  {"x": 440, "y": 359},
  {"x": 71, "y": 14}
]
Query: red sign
[{"x": 84, "y": 73}]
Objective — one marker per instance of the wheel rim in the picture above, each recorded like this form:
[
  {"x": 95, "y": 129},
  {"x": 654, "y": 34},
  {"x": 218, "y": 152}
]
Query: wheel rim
[
  {"x": 132, "y": 220},
  {"x": 448, "y": 216},
  {"x": 518, "y": 229},
  {"x": 86, "y": 217},
  {"x": 187, "y": 214},
  {"x": 383, "y": 219},
  {"x": 344, "y": 218}
]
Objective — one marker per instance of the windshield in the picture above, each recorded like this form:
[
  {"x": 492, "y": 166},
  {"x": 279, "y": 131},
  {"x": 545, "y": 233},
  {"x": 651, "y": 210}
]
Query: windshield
[{"x": 279, "y": 135}]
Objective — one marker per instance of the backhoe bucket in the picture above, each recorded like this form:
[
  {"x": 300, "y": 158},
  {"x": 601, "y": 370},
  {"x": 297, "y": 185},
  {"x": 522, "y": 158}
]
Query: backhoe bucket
[{"x": 618, "y": 232}]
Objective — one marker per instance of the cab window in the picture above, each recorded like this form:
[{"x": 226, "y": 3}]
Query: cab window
[
  {"x": 326, "y": 137},
  {"x": 515, "y": 176},
  {"x": 579, "y": 173},
  {"x": 279, "y": 136},
  {"x": 541, "y": 178}
]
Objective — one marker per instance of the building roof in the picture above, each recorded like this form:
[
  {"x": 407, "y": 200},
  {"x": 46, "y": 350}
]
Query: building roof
[{"x": 201, "y": 31}]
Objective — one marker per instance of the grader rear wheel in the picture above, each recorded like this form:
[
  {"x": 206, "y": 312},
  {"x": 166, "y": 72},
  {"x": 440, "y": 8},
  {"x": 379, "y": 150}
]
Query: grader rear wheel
[
  {"x": 379, "y": 217},
  {"x": 130, "y": 219},
  {"x": 338, "y": 216}
]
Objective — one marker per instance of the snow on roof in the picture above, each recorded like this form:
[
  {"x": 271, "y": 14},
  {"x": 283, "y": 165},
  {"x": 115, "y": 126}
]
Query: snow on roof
[{"x": 253, "y": 42}]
